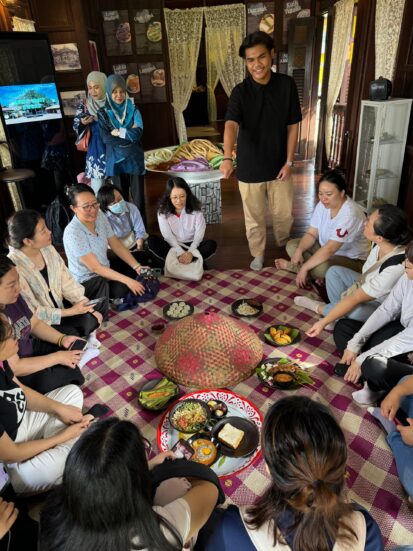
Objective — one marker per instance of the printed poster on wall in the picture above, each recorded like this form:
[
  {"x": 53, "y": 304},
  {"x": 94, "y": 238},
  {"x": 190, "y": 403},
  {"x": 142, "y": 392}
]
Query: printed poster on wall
[
  {"x": 260, "y": 17},
  {"x": 152, "y": 81},
  {"x": 130, "y": 73},
  {"x": 148, "y": 31},
  {"x": 116, "y": 29},
  {"x": 293, "y": 9}
]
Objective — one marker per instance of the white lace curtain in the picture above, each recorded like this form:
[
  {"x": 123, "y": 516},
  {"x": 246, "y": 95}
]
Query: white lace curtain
[
  {"x": 389, "y": 15},
  {"x": 341, "y": 33},
  {"x": 225, "y": 30},
  {"x": 184, "y": 30}
]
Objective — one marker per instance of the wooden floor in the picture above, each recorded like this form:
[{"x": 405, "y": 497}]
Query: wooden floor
[{"x": 232, "y": 251}]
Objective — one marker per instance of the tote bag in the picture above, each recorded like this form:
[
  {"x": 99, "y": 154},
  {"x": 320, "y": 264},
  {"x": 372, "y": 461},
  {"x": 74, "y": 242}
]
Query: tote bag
[{"x": 190, "y": 272}]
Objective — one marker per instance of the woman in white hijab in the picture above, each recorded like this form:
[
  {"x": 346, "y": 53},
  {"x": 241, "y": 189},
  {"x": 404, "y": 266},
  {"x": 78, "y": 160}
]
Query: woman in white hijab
[{"x": 86, "y": 117}]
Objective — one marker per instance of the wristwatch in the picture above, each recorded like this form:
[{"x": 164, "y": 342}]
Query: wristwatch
[{"x": 290, "y": 163}]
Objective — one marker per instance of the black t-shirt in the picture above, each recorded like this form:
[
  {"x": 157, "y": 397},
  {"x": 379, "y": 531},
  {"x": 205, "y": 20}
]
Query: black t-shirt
[
  {"x": 263, "y": 112},
  {"x": 12, "y": 403}
]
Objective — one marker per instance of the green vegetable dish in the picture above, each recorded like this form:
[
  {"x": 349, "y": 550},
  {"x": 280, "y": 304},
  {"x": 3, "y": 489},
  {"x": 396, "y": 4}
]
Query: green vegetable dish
[{"x": 157, "y": 395}]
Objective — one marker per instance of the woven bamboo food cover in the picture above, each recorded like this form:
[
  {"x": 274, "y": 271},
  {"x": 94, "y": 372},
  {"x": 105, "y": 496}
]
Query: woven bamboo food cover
[{"x": 208, "y": 351}]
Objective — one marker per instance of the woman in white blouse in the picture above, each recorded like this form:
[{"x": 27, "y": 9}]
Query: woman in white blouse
[
  {"x": 380, "y": 349},
  {"x": 181, "y": 223},
  {"x": 334, "y": 238}
]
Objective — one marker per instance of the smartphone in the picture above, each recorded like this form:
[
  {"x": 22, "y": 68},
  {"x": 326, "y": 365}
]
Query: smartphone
[
  {"x": 95, "y": 301},
  {"x": 183, "y": 450},
  {"x": 4, "y": 477},
  {"x": 340, "y": 369},
  {"x": 78, "y": 344}
]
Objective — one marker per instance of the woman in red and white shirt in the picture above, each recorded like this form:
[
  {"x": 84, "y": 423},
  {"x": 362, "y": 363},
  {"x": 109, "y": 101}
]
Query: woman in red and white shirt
[{"x": 181, "y": 223}]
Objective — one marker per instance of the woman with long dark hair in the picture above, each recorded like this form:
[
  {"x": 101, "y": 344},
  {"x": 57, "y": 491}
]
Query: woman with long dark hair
[
  {"x": 106, "y": 502},
  {"x": 335, "y": 236},
  {"x": 304, "y": 508},
  {"x": 181, "y": 223},
  {"x": 357, "y": 296},
  {"x": 49, "y": 289},
  {"x": 44, "y": 360},
  {"x": 378, "y": 350}
]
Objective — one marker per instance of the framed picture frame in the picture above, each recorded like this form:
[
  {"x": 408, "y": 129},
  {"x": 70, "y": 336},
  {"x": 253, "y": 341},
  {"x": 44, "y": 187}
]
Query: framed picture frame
[{"x": 66, "y": 57}]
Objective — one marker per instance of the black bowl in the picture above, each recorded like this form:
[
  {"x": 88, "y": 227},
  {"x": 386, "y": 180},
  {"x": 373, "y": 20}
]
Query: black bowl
[
  {"x": 194, "y": 427},
  {"x": 251, "y": 302},
  {"x": 284, "y": 380},
  {"x": 171, "y": 318},
  {"x": 249, "y": 442},
  {"x": 219, "y": 406}
]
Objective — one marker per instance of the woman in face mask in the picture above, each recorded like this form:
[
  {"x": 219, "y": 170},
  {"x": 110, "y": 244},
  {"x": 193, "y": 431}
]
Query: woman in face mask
[{"x": 125, "y": 219}]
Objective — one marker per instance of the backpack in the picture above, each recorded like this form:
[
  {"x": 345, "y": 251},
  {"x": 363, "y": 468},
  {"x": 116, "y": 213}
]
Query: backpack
[{"x": 57, "y": 216}]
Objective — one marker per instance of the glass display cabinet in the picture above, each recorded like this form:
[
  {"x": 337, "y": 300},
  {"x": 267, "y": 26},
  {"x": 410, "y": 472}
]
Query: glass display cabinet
[{"x": 380, "y": 151}]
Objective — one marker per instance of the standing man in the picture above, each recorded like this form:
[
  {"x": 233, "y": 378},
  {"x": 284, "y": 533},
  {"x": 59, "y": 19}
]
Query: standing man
[{"x": 263, "y": 113}]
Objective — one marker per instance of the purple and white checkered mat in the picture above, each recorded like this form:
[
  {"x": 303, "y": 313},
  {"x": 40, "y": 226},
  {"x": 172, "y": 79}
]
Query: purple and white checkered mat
[{"x": 127, "y": 361}]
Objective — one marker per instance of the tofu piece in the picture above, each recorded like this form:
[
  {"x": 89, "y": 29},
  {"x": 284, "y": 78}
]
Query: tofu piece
[{"x": 231, "y": 436}]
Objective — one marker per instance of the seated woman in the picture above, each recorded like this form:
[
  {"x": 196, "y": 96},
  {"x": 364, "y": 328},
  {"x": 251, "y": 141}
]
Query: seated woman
[
  {"x": 50, "y": 290},
  {"x": 105, "y": 501},
  {"x": 335, "y": 236},
  {"x": 34, "y": 438},
  {"x": 399, "y": 437},
  {"x": 181, "y": 223},
  {"x": 86, "y": 240},
  {"x": 40, "y": 363},
  {"x": 125, "y": 219},
  {"x": 354, "y": 296},
  {"x": 305, "y": 506},
  {"x": 384, "y": 341}
]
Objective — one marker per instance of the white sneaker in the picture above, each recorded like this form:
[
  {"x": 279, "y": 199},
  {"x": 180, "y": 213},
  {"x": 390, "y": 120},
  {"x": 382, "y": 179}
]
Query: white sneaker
[{"x": 257, "y": 263}]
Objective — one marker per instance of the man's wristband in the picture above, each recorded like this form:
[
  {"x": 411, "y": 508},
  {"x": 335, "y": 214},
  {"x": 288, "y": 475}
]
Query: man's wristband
[
  {"x": 136, "y": 267},
  {"x": 290, "y": 163},
  {"x": 228, "y": 159}
]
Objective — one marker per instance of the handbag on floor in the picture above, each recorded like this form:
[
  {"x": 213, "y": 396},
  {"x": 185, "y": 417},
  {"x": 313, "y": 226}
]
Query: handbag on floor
[
  {"x": 190, "y": 272},
  {"x": 151, "y": 284}
]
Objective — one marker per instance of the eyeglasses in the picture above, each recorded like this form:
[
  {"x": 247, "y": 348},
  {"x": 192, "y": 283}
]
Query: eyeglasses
[{"x": 92, "y": 206}]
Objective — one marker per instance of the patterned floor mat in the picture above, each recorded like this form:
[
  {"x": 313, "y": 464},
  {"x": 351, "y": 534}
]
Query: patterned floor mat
[{"x": 127, "y": 361}]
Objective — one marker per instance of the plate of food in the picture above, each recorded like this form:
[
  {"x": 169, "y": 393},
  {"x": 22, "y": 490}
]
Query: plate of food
[
  {"x": 247, "y": 308},
  {"x": 281, "y": 335},
  {"x": 282, "y": 373},
  {"x": 237, "y": 436},
  {"x": 189, "y": 416},
  {"x": 237, "y": 407},
  {"x": 205, "y": 449},
  {"x": 177, "y": 310},
  {"x": 157, "y": 394},
  {"x": 218, "y": 408},
  {"x": 133, "y": 85}
]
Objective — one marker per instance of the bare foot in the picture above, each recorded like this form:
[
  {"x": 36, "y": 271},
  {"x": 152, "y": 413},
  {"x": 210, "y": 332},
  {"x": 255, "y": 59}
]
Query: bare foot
[{"x": 281, "y": 263}]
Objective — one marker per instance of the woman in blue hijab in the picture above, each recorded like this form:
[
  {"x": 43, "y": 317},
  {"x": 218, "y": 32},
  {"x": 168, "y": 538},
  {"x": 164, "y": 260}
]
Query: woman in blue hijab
[{"x": 121, "y": 128}]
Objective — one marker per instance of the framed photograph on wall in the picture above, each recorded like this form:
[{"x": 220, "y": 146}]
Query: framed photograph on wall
[
  {"x": 116, "y": 29},
  {"x": 71, "y": 100},
  {"x": 66, "y": 57},
  {"x": 148, "y": 31},
  {"x": 130, "y": 73},
  {"x": 94, "y": 59},
  {"x": 152, "y": 81},
  {"x": 261, "y": 17}
]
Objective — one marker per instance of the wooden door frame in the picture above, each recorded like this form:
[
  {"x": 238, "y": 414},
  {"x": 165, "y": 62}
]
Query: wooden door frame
[{"x": 362, "y": 73}]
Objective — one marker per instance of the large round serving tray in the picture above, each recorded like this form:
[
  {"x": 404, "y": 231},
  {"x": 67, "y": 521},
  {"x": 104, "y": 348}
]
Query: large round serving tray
[
  {"x": 201, "y": 176},
  {"x": 238, "y": 406}
]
